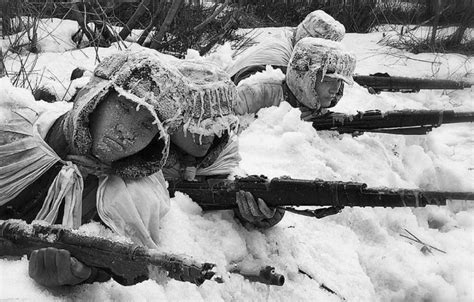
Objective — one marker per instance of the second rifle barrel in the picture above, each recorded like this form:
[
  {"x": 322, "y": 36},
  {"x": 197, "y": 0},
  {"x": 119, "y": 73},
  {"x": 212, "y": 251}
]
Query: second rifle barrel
[{"x": 405, "y": 83}]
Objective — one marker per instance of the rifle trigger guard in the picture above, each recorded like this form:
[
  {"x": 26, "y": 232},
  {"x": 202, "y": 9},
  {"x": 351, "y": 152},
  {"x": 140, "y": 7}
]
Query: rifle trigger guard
[{"x": 318, "y": 213}]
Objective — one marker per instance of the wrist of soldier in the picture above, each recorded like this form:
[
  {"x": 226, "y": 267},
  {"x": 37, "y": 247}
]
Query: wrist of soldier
[{"x": 261, "y": 224}]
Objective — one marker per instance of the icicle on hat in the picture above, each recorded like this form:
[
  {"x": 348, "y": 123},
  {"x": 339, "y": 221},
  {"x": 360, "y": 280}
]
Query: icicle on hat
[
  {"x": 145, "y": 79},
  {"x": 312, "y": 57},
  {"x": 319, "y": 24},
  {"x": 210, "y": 99}
]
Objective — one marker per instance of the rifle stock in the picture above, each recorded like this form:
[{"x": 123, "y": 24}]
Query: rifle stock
[
  {"x": 384, "y": 82},
  {"x": 219, "y": 194},
  {"x": 406, "y": 122},
  {"x": 127, "y": 263}
]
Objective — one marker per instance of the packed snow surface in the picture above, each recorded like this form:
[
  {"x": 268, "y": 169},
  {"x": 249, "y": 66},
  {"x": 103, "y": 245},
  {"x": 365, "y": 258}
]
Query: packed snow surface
[{"x": 358, "y": 254}]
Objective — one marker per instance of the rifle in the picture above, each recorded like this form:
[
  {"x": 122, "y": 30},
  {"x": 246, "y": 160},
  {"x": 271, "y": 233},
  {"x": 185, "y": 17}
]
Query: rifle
[
  {"x": 384, "y": 82},
  {"x": 127, "y": 263},
  {"x": 406, "y": 122},
  {"x": 219, "y": 194}
]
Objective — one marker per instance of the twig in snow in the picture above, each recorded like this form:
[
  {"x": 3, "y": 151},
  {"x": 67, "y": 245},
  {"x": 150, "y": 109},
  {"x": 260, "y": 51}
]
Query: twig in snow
[
  {"x": 416, "y": 239},
  {"x": 322, "y": 285}
]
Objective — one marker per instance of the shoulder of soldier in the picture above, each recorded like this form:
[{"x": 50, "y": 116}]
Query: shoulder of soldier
[{"x": 246, "y": 72}]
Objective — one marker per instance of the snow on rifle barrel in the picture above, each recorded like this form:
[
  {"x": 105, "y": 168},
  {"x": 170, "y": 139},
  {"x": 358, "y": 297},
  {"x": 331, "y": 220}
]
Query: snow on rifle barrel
[{"x": 219, "y": 194}]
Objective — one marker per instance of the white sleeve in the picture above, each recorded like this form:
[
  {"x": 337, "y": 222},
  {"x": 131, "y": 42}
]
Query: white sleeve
[
  {"x": 254, "y": 96},
  {"x": 261, "y": 90}
]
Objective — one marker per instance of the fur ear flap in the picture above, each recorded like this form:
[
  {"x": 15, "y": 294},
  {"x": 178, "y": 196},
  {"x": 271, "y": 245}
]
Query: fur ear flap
[{"x": 212, "y": 98}]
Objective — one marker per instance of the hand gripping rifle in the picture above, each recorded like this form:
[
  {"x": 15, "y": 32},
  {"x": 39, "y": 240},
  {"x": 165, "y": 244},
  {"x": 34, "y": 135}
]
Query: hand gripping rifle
[
  {"x": 219, "y": 194},
  {"x": 406, "y": 122},
  {"x": 384, "y": 82},
  {"x": 127, "y": 263}
]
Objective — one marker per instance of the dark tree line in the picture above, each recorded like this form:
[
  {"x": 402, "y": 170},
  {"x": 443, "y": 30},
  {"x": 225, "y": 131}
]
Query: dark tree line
[{"x": 176, "y": 25}]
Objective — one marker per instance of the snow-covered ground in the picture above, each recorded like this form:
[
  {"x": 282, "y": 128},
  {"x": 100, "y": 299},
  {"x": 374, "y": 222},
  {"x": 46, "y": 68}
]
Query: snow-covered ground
[{"x": 359, "y": 253}]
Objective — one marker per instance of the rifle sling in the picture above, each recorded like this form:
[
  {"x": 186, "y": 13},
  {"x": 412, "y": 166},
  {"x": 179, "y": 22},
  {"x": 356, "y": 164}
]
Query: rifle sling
[{"x": 318, "y": 213}]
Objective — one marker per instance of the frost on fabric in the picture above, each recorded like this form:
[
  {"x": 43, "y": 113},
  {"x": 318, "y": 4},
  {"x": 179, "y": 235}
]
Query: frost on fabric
[
  {"x": 147, "y": 75},
  {"x": 319, "y": 24},
  {"x": 211, "y": 98},
  {"x": 314, "y": 54},
  {"x": 144, "y": 78}
]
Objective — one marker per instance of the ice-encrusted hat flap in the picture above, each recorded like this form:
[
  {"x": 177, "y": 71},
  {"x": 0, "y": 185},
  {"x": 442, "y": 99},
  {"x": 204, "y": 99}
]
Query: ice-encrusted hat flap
[
  {"x": 143, "y": 78},
  {"x": 315, "y": 54},
  {"x": 211, "y": 98},
  {"x": 148, "y": 75},
  {"x": 319, "y": 24}
]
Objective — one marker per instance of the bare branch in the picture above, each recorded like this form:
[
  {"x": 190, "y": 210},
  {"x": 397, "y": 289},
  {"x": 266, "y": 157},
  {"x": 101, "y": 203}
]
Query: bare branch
[
  {"x": 82, "y": 23},
  {"x": 212, "y": 17},
  {"x": 2, "y": 66},
  {"x": 166, "y": 23},
  {"x": 127, "y": 29},
  {"x": 154, "y": 18}
]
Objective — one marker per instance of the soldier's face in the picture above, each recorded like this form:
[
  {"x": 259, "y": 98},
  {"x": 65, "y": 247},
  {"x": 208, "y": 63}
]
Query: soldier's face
[
  {"x": 118, "y": 130},
  {"x": 192, "y": 144},
  {"x": 327, "y": 90}
]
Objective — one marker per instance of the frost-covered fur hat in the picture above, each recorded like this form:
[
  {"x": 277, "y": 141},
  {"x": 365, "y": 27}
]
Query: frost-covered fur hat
[
  {"x": 312, "y": 57},
  {"x": 210, "y": 99},
  {"x": 144, "y": 78},
  {"x": 318, "y": 24}
]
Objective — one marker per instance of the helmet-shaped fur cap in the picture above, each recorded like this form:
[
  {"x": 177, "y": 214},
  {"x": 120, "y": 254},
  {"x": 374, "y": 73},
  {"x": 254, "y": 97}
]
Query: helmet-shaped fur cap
[
  {"x": 313, "y": 59},
  {"x": 319, "y": 24}
]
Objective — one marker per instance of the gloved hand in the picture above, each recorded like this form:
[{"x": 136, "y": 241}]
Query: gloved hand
[
  {"x": 55, "y": 267},
  {"x": 257, "y": 213}
]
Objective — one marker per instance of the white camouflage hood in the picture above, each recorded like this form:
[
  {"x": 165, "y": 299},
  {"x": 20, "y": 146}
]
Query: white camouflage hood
[{"x": 144, "y": 78}]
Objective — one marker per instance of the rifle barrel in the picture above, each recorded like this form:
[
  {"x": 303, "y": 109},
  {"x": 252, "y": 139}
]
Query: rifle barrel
[
  {"x": 218, "y": 194},
  {"x": 128, "y": 263},
  {"x": 390, "y": 120},
  {"x": 390, "y": 83}
]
